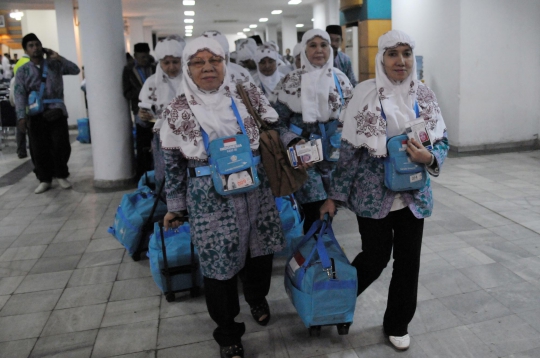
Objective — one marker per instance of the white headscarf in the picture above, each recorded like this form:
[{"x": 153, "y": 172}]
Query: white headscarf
[
  {"x": 269, "y": 82},
  {"x": 209, "y": 110},
  {"x": 311, "y": 90},
  {"x": 363, "y": 125},
  {"x": 216, "y": 35},
  {"x": 160, "y": 89},
  {"x": 296, "y": 49},
  {"x": 246, "y": 49}
]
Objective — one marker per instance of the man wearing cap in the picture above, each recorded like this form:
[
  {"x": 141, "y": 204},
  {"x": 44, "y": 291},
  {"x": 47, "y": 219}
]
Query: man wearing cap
[
  {"x": 47, "y": 127},
  {"x": 341, "y": 60},
  {"x": 133, "y": 78}
]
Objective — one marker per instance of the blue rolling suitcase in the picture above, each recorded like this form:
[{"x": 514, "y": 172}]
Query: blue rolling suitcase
[
  {"x": 292, "y": 222},
  {"x": 321, "y": 282},
  {"x": 174, "y": 262},
  {"x": 134, "y": 217}
]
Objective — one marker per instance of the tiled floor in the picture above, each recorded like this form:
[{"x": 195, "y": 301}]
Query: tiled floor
[{"x": 67, "y": 288}]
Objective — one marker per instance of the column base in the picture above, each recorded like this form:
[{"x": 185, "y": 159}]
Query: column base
[{"x": 114, "y": 184}]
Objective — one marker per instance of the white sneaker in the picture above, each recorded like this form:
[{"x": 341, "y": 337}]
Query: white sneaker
[
  {"x": 402, "y": 343},
  {"x": 64, "y": 183},
  {"x": 42, "y": 187}
]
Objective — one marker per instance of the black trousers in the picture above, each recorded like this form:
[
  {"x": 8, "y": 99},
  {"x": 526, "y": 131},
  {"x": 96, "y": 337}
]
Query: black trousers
[
  {"x": 143, "y": 146},
  {"x": 21, "y": 143},
  {"x": 311, "y": 213},
  {"x": 222, "y": 297},
  {"x": 49, "y": 147},
  {"x": 402, "y": 231}
]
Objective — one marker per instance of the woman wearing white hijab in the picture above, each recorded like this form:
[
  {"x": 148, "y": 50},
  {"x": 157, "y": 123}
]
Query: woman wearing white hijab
[
  {"x": 159, "y": 90},
  {"x": 269, "y": 76},
  {"x": 388, "y": 221},
  {"x": 306, "y": 98},
  {"x": 235, "y": 235}
]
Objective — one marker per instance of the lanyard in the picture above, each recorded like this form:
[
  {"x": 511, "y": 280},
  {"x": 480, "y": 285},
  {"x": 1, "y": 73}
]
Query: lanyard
[
  {"x": 142, "y": 74},
  {"x": 238, "y": 119}
]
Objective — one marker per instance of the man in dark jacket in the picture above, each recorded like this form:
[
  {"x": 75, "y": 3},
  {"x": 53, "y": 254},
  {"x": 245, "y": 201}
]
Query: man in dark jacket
[{"x": 133, "y": 78}]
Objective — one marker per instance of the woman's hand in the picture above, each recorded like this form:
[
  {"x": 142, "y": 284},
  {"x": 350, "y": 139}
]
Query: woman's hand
[
  {"x": 145, "y": 115},
  {"x": 168, "y": 220},
  {"x": 328, "y": 207},
  {"x": 418, "y": 152}
]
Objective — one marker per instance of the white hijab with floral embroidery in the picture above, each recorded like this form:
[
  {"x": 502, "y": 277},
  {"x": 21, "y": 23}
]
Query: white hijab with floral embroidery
[
  {"x": 210, "y": 110},
  {"x": 311, "y": 90},
  {"x": 160, "y": 89},
  {"x": 363, "y": 125},
  {"x": 268, "y": 82}
]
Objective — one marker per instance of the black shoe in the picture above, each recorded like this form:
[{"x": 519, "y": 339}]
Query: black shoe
[
  {"x": 22, "y": 156},
  {"x": 260, "y": 310},
  {"x": 236, "y": 350}
]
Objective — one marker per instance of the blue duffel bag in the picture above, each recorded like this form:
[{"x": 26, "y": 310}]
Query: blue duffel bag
[
  {"x": 292, "y": 222},
  {"x": 321, "y": 282},
  {"x": 179, "y": 260},
  {"x": 134, "y": 211},
  {"x": 147, "y": 179}
]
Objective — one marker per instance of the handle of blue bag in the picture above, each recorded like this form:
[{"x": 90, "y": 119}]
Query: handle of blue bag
[
  {"x": 312, "y": 230},
  {"x": 330, "y": 233},
  {"x": 321, "y": 249}
]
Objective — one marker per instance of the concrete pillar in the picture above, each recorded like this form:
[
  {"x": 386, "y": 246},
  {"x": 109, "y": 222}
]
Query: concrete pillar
[
  {"x": 271, "y": 33},
  {"x": 136, "y": 31},
  {"x": 288, "y": 32},
  {"x": 319, "y": 15},
  {"x": 332, "y": 12},
  {"x": 147, "y": 35},
  {"x": 102, "y": 32},
  {"x": 73, "y": 96}
]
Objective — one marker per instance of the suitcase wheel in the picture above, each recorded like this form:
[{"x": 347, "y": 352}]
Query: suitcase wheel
[
  {"x": 314, "y": 331},
  {"x": 170, "y": 297},
  {"x": 343, "y": 328},
  {"x": 136, "y": 256}
]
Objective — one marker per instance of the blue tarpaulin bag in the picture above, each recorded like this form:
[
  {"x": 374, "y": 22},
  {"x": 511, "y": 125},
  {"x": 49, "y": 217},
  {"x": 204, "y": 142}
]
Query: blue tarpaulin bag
[
  {"x": 400, "y": 173},
  {"x": 177, "y": 253},
  {"x": 292, "y": 222},
  {"x": 320, "y": 281},
  {"x": 83, "y": 125},
  {"x": 134, "y": 211}
]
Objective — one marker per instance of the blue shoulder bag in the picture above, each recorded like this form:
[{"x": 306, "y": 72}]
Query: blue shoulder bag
[
  {"x": 35, "y": 99},
  {"x": 400, "y": 173},
  {"x": 232, "y": 166},
  {"x": 330, "y": 132}
]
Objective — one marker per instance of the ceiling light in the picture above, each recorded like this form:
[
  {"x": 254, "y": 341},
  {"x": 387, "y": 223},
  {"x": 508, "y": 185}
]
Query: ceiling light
[
  {"x": 246, "y": 30},
  {"x": 188, "y": 2},
  {"x": 263, "y": 19},
  {"x": 189, "y": 27},
  {"x": 189, "y": 13},
  {"x": 252, "y": 26},
  {"x": 312, "y": 20},
  {"x": 276, "y": 12},
  {"x": 294, "y": 2},
  {"x": 189, "y": 21},
  {"x": 189, "y": 30},
  {"x": 299, "y": 25},
  {"x": 17, "y": 15},
  {"x": 189, "y": 34}
]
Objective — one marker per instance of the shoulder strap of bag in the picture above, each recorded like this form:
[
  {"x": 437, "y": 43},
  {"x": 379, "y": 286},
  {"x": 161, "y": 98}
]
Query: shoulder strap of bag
[
  {"x": 249, "y": 106},
  {"x": 43, "y": 78}
]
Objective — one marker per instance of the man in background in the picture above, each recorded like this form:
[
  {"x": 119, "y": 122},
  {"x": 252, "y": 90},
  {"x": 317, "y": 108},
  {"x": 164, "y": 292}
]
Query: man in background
[
  {"x": 20, "y": 136},
  {"x": 48, "y": 129},
  {"x": 133, "y": 78},
  {"x": 341, "y": 60}
]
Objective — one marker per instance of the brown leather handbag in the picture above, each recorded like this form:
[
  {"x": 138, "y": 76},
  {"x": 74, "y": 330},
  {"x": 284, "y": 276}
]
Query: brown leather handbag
[{"x": 283, "y": 178}]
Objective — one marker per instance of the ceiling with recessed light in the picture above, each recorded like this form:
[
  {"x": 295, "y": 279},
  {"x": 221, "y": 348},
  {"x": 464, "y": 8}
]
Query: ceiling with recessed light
[{"x": 227, "y": 16}]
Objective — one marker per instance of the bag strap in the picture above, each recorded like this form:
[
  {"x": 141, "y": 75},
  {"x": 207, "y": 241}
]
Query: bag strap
[
  {"x": 245, "y": 98},
  {"x": 43, "y": 79}
]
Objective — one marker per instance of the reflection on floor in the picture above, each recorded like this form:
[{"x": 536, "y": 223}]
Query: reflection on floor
[{"x": 67, "y": 288}]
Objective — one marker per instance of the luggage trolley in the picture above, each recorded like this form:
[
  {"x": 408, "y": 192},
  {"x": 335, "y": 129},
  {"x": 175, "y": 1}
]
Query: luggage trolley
[{"x": 190, "y": 268}]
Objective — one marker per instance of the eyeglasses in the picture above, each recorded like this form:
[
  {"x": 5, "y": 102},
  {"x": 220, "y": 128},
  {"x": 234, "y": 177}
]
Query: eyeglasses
[{"x": 199, "y": 62}]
